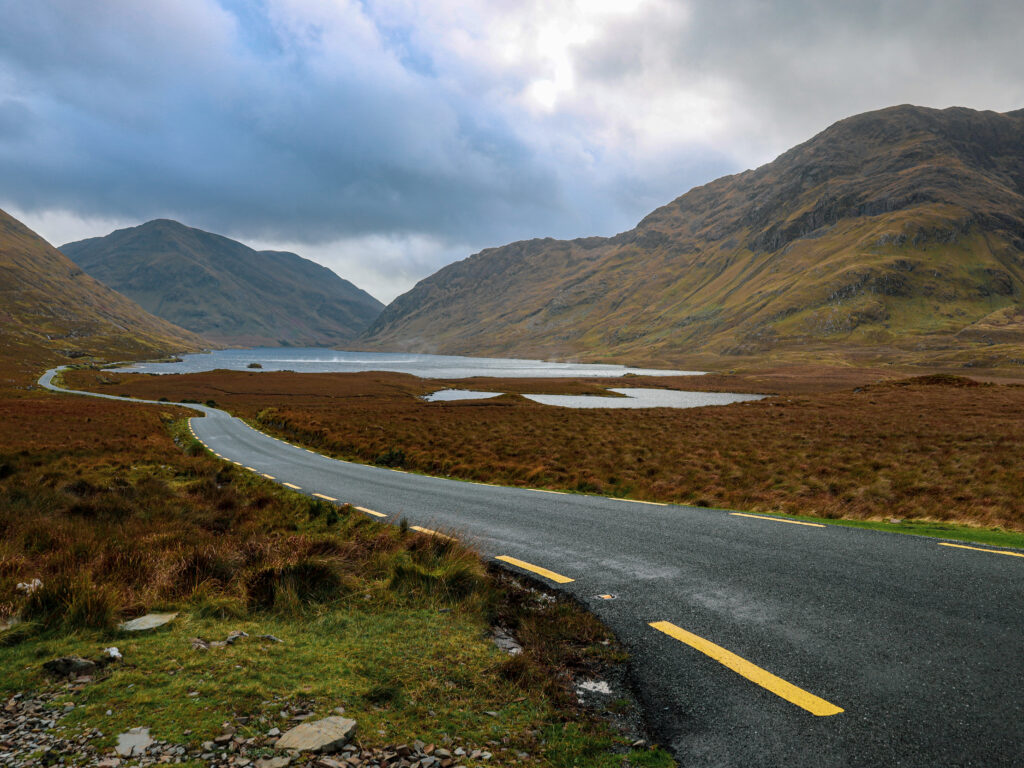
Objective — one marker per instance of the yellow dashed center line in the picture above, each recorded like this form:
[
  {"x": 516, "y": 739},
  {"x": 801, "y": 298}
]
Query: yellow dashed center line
[
  {"x": 545, "y": 490},
  {"x": 430, "y": 532},
  {"x": 293, "y": 487},
  {"x": 325, "y": 498},
  {"x": 753, "y": 673},
  {"x": 778, "y": 520},
  {"x": 555, "y": 577},
  {"x": 639, "y": 501},
  {"x": 979, "y": 549},
  {"x": 371, "y": 512}
]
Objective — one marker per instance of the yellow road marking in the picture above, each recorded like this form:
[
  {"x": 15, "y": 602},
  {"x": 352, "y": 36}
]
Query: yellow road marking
[
  {"x": 638, "y": 501},
  {"x": 555, "y": 577},
  {"x": 545, "y": 490},
  {"x": 778, "y": 520},
  {"x": 430, "y": 532},
  {"x": 326, "y": 498},
  {"x": 607, "y": 597},
  {"x": 371, "y": 512},
  {"x": 752, "y": 672},
  {"x": 294, "y": 487},
  {"x": 308, "y": 451},
  {"x": 238, "y": 463},
  {"x": 269, "y": 477},
  {"x": 251, "y": 469},
  {"x": 979, "y": 549}
]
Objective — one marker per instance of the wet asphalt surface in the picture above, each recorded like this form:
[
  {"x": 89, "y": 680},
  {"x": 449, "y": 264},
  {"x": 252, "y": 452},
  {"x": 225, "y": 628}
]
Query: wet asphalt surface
[{"x": 920, "y": 644}]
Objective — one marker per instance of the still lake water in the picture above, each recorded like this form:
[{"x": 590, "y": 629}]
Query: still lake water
[
  {"x": 635, "y": 397},
  {"x": 319, "y": 360}
]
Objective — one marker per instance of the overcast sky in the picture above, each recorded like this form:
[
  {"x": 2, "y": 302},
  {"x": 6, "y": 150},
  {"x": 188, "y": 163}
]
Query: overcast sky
[{"x": 386, "y": 138}]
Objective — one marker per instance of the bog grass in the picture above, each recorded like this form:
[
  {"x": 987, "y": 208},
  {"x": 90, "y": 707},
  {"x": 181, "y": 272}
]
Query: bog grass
[
  {"x": 839, "y": 444},
  {"x": 111, "y": 507}
]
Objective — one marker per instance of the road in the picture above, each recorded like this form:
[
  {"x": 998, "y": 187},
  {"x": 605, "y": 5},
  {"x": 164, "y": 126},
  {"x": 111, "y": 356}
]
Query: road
[{"x": 754, "y": 642}]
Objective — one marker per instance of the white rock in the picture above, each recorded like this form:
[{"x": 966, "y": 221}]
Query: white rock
[
  {"x": 133, "y": 742},
  {"x": 149, "y": 621},
  {"x": 327, "y": 735}
]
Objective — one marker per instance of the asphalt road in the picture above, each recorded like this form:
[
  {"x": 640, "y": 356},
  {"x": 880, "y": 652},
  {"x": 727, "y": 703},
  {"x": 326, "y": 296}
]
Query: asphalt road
[{"x": 767, "y": 629}]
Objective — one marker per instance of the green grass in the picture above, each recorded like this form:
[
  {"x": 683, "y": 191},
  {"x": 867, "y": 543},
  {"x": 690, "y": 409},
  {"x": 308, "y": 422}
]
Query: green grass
[
  {"x": 402, "y": 674},
  {"x": 996, "y": 537}
]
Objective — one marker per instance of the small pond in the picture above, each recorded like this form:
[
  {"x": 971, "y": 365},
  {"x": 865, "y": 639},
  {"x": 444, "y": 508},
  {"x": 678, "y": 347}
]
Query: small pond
[{"x": 634, "y": 397}]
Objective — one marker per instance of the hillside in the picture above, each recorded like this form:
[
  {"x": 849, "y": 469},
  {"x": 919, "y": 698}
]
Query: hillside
[
  {"x": 892, "y": 235},
  {"x": 51, "y": 312},
  {"x": 224, "y": 290}
]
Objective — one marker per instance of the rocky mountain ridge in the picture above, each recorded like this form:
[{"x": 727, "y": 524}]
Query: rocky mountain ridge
[{"x": 892, "y": 235}]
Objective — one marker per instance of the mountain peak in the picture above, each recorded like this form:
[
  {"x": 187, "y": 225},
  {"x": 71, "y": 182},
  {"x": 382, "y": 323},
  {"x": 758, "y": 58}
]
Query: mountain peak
[{"x": 225, "y": 290}]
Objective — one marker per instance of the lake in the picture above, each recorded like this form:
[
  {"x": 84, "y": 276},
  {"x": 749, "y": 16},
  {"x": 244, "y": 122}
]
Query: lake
[{"x": 319, "y": 360}]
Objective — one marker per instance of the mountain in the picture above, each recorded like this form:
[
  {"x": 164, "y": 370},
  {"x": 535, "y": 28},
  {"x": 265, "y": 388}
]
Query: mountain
[
  {"x": 50, "y": 311},
  {"x": 896, "y": 234},
  {"x": 224, "y": 290}
]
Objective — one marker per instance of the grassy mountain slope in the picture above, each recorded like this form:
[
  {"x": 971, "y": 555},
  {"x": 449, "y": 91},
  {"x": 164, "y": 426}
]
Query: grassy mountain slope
[
  {"x": 51, "y": 311},
  {"x": 892, "y": 235},
  {"x": 225, "y": 290}
]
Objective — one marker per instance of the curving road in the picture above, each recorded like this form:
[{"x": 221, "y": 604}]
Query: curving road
[{"x": 754, "y": 642}]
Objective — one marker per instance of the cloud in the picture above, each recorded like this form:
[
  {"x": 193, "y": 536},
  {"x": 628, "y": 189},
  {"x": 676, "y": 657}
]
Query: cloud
[{"x": 397, "y": 134}]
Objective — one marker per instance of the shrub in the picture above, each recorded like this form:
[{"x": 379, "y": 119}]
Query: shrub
[
  {"x": 454, "y": 576},
  {"x": 72, "y": 602},
  {"x": 290, "y": 587},
  {"x": 392, "y": 457}
]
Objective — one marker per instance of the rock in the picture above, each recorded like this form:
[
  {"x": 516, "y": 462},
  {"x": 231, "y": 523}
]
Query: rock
[
  {"x": 149, "y": 621},
  {"x": 133, "y": 742},
  {"x": 273, "y": 762},
  {"x": 234, "y": 636},
  {"x": 270, "y": 638},
  {"x": 506, "y": 642},
  {"x": 112, "y": 654},
  {"x": 327, "y": 735},
  {"x": 274, "y": 732},
  {"x": 198, "y": 644},
  {"x": 28, "y": 587},
  {"x": 70, "y": 665},
  {"x": 109, "y": 762}
]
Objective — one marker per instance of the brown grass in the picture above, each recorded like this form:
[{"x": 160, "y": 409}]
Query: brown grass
[
  {"x": 99, "y": 503},
  {"x": 850, "y": 443}
]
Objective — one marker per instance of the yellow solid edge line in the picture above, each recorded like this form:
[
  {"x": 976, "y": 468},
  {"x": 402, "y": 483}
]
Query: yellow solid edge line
[
  {"x": 251, "y": 469},
  {"x": 555, "y": 577},
  {"x": 430, "y": 532},
  {"x": 269, "y": 477},
  {"x": 545, "y": 490},
  {"x": 979, "y": 549},
  {"x": 371, "y": 512},
  {"x": 294, "y": 487},
  {"x": 639, "y": 501},
  {"x": 326, "y": 498},
  {"x": 778, "y": 519},
  {"x": 753, "y": 673}
]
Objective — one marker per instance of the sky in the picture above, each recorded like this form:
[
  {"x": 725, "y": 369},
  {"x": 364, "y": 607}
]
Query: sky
[{"x": 387, "y": 138}]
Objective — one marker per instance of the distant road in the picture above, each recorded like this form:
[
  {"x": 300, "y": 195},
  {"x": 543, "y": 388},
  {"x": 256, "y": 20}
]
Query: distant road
[{"x": 754, "y": 641}]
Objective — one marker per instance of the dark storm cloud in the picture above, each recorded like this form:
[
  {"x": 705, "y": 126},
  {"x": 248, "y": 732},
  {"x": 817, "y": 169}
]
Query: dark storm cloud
[
  {"x": 416, "y": 132},
  {"x": 128, "y": 109}
]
